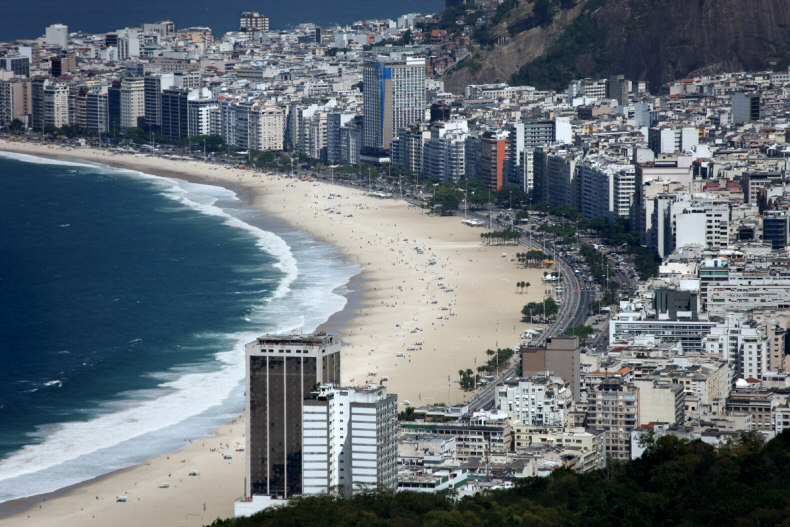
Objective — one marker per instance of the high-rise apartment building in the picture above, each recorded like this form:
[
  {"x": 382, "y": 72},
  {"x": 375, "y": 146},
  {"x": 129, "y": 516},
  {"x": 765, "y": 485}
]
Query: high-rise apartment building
[
  {"x": 154, "y": 85},
  {"x": 252, "y": 124},
  {"x": 161, "y": 29},
  {"x": 37, "y": 87},
  {"x": 282, "y": 370},
  {"x": 334, "y": 122},
  {"x": 555, "y": 177},
  {"x": 560, "y": 356},
  {"x": 78, "y": 106},
  {"x": 56, "y": 106},
  {"x": 203, "y": 116},
  {"x": 776, "y": 228},
  {"x": 175, "y": 113},
  {"x": 114, "y": 106},
  {"x": 617, "y": 88},
  {"x": 132, "y": 102},
  {"x": 537, "y": 400},
  {"x": 408, "y": 148},
  {"x": 96, "y": 110},
  {"x": 613, "y": 408},
  {"x": 18, "y": 65},
  {"x": 253, "y": 21},
  {"x": 349, "y": 440},
  {"x": 351, "y": 141},
  {"x": 57, "y": 35},
  {"x": 445, "y": 152},
  {"x": 15, "y": 100},
  {"x": 493, "y": 156},
  {"x": 393, "y": 97},
  {"x": 745, "y": 107}
]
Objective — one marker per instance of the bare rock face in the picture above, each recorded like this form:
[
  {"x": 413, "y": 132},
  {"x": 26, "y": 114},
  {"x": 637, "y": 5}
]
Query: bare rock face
[
  {"x": 653, "y": 40},
  {"x": 662, "y": 40},
  {"x": 499, "y": 62}
]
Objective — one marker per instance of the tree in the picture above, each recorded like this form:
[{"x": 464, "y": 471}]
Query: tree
[
  {"x": 446, "y": 198},
  {"x": 16, "y": 125},
  {"x": 580, "y": 331},
  {"x": 509, "y": 195},
  {"x": 542, "y": 12},
  {"x": 476, "y": 192},
  {"x": 407, "y": 414}
]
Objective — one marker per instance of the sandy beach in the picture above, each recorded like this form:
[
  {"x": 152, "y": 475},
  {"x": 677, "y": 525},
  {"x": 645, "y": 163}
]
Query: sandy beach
[{"x": 434, "y": 300}]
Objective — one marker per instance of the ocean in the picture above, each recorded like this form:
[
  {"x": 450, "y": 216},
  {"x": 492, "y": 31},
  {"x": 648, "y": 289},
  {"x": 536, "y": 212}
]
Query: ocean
[
  {"x": 125, "y": 303},
  {"x": 23, "y": 21}
]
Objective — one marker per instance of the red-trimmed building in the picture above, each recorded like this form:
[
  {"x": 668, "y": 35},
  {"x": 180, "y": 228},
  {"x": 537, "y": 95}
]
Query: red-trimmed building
[{"x": 493, "y": 152}]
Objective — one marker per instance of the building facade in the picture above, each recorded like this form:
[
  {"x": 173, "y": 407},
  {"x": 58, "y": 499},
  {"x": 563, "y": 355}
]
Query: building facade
[
  {"x": 394, "y": 96},
  {"x": 282, "y": 370},
  {"x": 349, "y": 440}
]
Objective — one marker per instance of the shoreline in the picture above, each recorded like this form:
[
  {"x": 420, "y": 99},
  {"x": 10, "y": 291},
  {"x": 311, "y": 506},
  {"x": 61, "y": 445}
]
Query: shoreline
[{"x": 379, "y": 311}]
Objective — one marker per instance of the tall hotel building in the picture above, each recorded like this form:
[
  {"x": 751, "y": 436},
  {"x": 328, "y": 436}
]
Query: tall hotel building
[
  {"x": 393, "y": 97},
  {"x": 282, "y": 371}
]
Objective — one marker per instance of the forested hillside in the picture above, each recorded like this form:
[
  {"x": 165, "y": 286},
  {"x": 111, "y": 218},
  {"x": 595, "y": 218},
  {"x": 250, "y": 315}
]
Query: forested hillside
[{"x": 675, "y": 483}]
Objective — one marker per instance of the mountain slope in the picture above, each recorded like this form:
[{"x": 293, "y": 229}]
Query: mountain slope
[{"x": 653, "y": 40}]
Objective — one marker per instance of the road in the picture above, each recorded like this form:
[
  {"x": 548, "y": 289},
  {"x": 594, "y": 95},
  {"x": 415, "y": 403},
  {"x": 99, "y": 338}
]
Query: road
[{"x": 573, "y": 312}]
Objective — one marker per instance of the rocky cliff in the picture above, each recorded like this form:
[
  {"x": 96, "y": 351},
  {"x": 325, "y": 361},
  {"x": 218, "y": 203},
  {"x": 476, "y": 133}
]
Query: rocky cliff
[{"x": 653, "y": 40}]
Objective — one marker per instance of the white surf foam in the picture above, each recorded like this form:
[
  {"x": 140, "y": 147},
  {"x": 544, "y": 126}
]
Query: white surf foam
[
  {"x": 38, "y": 160},
  {"x": 203, "y": 198}
]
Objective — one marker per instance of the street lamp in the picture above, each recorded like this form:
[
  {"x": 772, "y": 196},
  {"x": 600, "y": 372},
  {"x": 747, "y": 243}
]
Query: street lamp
[
  {"x": 490, "y": 219},
  {"x": 510, "y": 209},
  {"x": 466, "y": 199}
]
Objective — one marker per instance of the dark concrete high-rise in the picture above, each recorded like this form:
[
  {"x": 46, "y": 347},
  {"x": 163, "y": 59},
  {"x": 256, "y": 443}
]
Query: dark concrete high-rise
[
  {"x": 560, "y": 356},
  {"x": 174, "y": 113},
  {"x": 282, "y": 370}
]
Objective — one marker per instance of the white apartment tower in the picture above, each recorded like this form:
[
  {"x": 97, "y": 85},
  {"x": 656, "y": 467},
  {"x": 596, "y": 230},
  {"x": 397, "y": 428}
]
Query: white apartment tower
[
  {"x": 349, "y": 440},
  {"x": 393, "y": 96},
  {"x": 56, "y": 105},
  {"x": 57, "y": 35},
  {"x": 132, "y": 101},
  {"x": 252, "y": 124},
  {"x": 445, "y": 152},
  {"x": 698, "y": 220}
]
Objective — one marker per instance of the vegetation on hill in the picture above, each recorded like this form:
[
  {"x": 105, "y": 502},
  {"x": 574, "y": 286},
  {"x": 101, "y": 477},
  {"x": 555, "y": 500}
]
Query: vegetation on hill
[
  {"x": 743, "y": 483},
  {"x": 560, "y": 63},
  {"x": 783, "y": 58}
]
